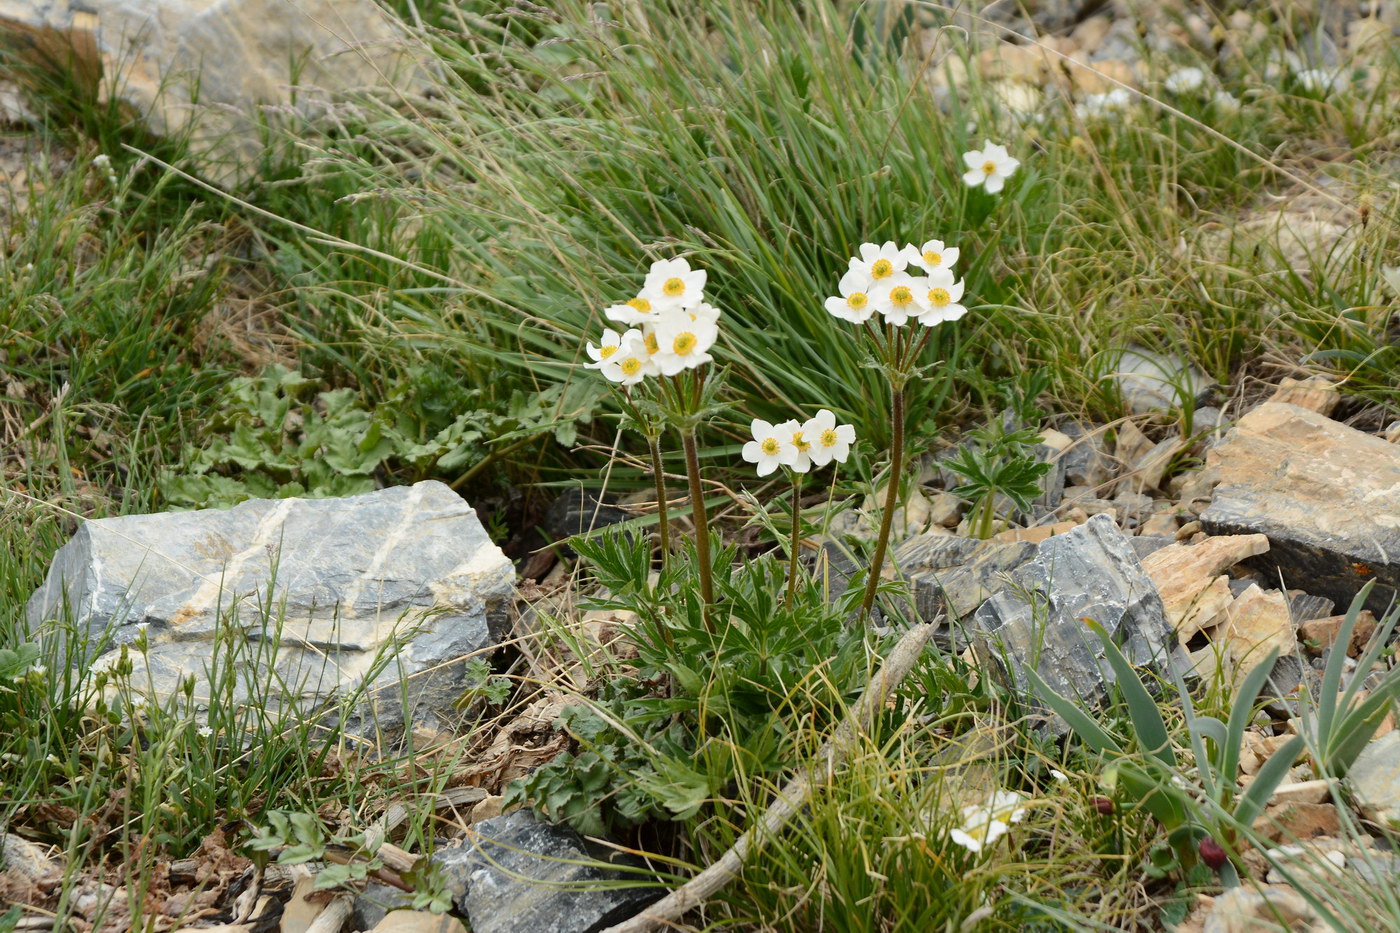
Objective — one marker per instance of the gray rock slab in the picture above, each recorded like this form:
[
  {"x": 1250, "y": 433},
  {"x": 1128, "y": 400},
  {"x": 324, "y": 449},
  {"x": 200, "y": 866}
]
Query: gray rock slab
[
  {"x": 374, "y": 903},
  {"x": 955, "y": 574},
  {"x": 1152, "y": 381},
  {"x": 521, "y": 874},
  {"x": 1326, "y": 495},
  {"x": 1035, "y": 621},
  {"x": 1374, "y": 780},
  {"x": 316, "y": 598}
]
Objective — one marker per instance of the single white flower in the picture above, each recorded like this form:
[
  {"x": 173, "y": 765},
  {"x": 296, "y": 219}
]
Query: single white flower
[
  {"x": 829, "y": 440},
  {"x": 941, "y": 298},
  {"x": 205, "y": 731},
  {"x": 635, "y": 311},
  {"x": 854, "y": 302},
  {"x": 770, "y": 448},
  {"x": 800, "y": 443},
  {"x": 899, "y": 298},
  {"x": 1059, "y": 776},
  {"x": 990, "y": 166},
  {"x": 879, "y": 262},
  {"x": 681, "y": 341},
  {"x": 984, "y": 824},
  {"x": 607, "y": 345},
  {"x": 932, "y": 255},
  {"x": 1319, "y": 80},
  {"x": 1226, "y": 102},
  {"x": 1105, "y": 104},
  {"x": 631, "y": 363},
  {"x": 1185, "y": 80},
  {"x": 705, "y": 312},
  {"x": 671, "y": 283}
]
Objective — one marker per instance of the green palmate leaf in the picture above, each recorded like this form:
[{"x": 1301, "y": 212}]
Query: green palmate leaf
[{"x": 1146, "y": 717}]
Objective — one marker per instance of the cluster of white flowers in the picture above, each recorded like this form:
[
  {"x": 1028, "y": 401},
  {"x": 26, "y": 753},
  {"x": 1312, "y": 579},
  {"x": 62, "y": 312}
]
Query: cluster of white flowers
[
  {"x": 671, "y": 327},
  {"x": 878, "y": 280},
  {"x": 799, "y": 445},
  {"x": 1197, "y": 82},
  {"x": 989, "y": 166},
  {"x": 984, "y": 824}
]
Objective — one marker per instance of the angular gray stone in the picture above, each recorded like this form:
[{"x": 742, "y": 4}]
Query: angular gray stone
[
  {"x": 374, "y": 903},
  {"x": 1086, "y": 460},
  {"x": 1035, "y": 621},
  {"x": 401, "y": 583},
  {"x": 1326, "y": 495},
  {"x": 522, "y": 874},
  {"x": 1152, "y": 381},
  {"x": 955, "y": 574},
  {"x": 1374, "y": 779}
]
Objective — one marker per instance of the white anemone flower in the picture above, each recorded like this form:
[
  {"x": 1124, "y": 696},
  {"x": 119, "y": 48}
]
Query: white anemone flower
[
  {"x": 984, "y": 824},
  {"x": 941, "y": 298},
  {"x": 634, "y": 311},
  {"x": 853, "y": 304},
  {"x": 632, "y": 362},
  {"x": 770, "y": 448},
  {"x": 899, "y": 298},
  {"x": 705, "y": 312},
  {"x": 607, "y": 345},
  {"x": 1186, "y": 80},
  {"x": 934, "y": 254},
  {"x": 681, "y": 342},
  {"x": 989, "y": 166},
  {"x": 671, "y": 283},
  {"x": 879, "y": 262},
  {"x": 794, "y": 430},
  {"x": 830, "y": 441}
]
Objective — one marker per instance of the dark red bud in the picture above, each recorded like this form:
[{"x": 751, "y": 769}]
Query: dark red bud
[
  {"x": 1103, "y": 805},
  {"x": 1212, "y": 854}
]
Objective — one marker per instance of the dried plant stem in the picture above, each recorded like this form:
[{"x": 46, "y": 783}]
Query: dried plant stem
[{"x": 793, "y": 795}]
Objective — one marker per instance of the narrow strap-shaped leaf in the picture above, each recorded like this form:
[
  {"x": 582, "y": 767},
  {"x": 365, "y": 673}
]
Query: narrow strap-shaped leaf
[
  {"x": 1147, "y": 718},
  {"x": 1332, "y": 673},
  {"x": 1257, "y": 794},
  {"x": 1081, "y": 722},
  {"x": 1358, "y": 724},
  {"x": 1241, "y": 712}
]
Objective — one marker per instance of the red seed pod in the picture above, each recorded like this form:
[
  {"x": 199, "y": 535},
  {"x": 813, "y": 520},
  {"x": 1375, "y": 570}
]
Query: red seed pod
[
  {"x": 1103, "y": 805},
  {"x": 1212, "y": 854}
]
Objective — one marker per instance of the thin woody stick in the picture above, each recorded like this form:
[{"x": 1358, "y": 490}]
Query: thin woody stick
[{"x": 793, "y": 796}]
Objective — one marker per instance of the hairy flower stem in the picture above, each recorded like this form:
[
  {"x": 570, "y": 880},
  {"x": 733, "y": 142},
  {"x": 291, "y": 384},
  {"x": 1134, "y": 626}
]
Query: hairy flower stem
[
  {"x": 877, "y": 562},
  {"x": 796, "y": 538},
  {"x": 663, "y": 520},
  {"x": 702, "y": 525}
]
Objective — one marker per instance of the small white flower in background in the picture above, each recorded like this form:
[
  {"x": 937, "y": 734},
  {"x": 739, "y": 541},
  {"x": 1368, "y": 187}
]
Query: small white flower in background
[
  {"x": 1185, "y": 80},
  {"x": 1059, "y": 776},
  {"x": 770, "y": 447},
  {"x": 682, "y": 342},
  {"x": 631, "y": 363},
  {"x": 932, "y": 255},
  {"x": 1226, "y": 102},
  {"x": 989, "y": 166},
  {"x": 899, "y": 298},
  {"x": 879, "y": 263},
  {"x": 1319, "y": 80},
  {"x": 854, "y": 302},
  {"x": 607, "y": 345},
  {"x": 205, "y": 731},
  {"x": 941, "y": 297},
  {"x": 829, "y": 441},
  {"x": 1105, "y": 104},
  {"x": 635, "y": 311},
  {"x": 671, "y": 283},
  {"x": 985, "y": 824}
]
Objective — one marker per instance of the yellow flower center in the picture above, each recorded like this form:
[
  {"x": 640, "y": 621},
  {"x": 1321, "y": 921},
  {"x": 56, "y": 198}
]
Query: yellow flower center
[
  {"x": 829, "y": 437},
  {"x": 798, "y": 442},
  {"x": 901, "y": 296},
  {"x": 857, "y": 300},
  {"x": 651, "y": 344},
  {"x": 932, "y": 259},
  {"x": 673, "y": 288},
  {"x": 882, "y": 269},
  {"x": 989, "y": 167},
  {"x": 939, "y": 297},
  {"x": 607, "y": 350},
  {"x": 631, "y": 366},
  {"x": 770, "y": 446},
  {"x": 684, "y": 343},
  {"x": 641, "y": 304}
]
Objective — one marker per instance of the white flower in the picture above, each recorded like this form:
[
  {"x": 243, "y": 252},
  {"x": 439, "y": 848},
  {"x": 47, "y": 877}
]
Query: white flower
[
  {"x": 879, "y": 262},
  {"x": 829, "y": 440},
  {"x": 899, "y": 298},
  {"x": 1319, "y": 80},
  {"x": 1059, "y": 776},
  {"x": 682, "y": 342},
  {"x": 940, "y": 299},
  {"x": 607, "y": 345},
  {"x": 854, "y": 302},
  {"x": 632, "y": 362},
  {"x": 1101, "y": 105},
  {"x": 932, "y": 255},
  {"x": 1185, "y": 80},
  {"x": 672, "y": 284},
  {"x": 991, "y": 165},
  {"x": 770, "y": 448},
  {"x": 985, "y": 824},
  {"x": 1226, "y": 102},
  {"x": 635, "y": 311},
  {"x": 801, "y": 444},
  {"x": 704, "y": 312},
  {"x": 205, "y": 731}
]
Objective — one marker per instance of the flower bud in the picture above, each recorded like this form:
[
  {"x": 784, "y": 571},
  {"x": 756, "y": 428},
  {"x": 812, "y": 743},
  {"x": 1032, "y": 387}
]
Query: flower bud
[
  {"x": 1103, "y": 805},
  {"x": 1212, "y": 854}
]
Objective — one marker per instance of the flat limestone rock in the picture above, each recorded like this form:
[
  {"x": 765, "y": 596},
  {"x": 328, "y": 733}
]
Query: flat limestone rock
[
  {"x": 1036, "y": 620},
  {"x": 1326, "y": 495},
  {"x": 1189, "y": 578},
  {"x": 323, "y": 596},
  {"x": 1374, "y": 780},
  {"x": 1257, "y": 622},
  {"x": 955, "y": 574}
]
